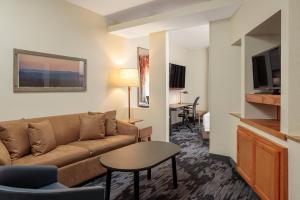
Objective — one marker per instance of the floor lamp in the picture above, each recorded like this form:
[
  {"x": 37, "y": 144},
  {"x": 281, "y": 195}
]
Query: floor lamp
[{"x": 128, "y": 77}]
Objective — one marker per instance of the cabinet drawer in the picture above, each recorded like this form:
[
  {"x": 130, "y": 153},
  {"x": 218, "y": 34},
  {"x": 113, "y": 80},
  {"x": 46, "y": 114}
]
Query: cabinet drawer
[
  {"x": 271, "y": 100},
  {"x": 252, "y": 98}
]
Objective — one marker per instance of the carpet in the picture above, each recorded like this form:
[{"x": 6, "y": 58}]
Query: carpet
[{"x": 200, "y": 175}]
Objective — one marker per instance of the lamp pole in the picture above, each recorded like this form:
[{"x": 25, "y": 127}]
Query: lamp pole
[{"x": 129, "y": 91}]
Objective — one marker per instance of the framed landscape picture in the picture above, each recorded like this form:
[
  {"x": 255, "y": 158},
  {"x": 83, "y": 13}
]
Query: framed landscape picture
[
  {"x": 41, "y": 72},
  {"x": 143, "y": 68}
]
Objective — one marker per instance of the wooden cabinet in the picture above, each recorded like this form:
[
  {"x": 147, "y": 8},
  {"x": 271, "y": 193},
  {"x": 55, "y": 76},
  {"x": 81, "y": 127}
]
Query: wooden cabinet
[
  {"x": 245, "y": 156},
  {"x": 267, "y": 171},
  {"x": 263, "y": 164}
]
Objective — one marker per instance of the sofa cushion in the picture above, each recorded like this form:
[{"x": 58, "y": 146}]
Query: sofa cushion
[
  {"x": 110, "y": 121},
  {"x": 92, "y": 127},
  {"x": 15, "y": 138},
  {"x": 41, "y": 137},
  {"x": 61, "y": 156},
  {"x": 110, "y": 127},
  {"x": 4, "y": 155},
  {"x": 97, "y": 147},
  {"x": 66, "y": 127}
]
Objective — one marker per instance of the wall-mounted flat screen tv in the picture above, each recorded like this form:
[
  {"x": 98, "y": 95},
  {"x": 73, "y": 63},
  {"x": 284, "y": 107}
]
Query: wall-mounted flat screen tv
[
  {"x": 267, "y": 70},
  {"x": 177, "y": 76}
]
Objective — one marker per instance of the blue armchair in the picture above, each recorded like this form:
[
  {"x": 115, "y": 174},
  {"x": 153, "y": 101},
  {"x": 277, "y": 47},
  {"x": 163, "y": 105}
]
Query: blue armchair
[{"x": 40, "y": 183}]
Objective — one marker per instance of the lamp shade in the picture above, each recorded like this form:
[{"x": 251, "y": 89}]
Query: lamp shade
[{"x": 128, "y": 77}]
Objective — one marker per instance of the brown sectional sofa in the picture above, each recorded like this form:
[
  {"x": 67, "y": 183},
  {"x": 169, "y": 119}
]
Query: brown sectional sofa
[{"x": 78, "y": 161}]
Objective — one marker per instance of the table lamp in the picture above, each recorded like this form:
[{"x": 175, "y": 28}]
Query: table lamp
[
  {"x": 182, "y": 92},
  {"x": 128, "y": 77}
]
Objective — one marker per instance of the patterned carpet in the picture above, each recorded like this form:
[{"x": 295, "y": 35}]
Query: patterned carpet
[{"x": 200, "y": 176}]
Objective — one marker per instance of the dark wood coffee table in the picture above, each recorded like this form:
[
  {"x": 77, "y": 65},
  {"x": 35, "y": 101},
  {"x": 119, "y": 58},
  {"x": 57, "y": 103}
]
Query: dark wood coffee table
[{"x": 138, "y": 157}]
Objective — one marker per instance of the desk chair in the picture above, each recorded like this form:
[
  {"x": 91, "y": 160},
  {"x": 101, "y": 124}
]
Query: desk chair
[{"x": 189, "y": 114}]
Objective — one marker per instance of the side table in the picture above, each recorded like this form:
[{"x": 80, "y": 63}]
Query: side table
[
  {"x": 145, "y": 134},
  {"x": 131, "y": 120}
]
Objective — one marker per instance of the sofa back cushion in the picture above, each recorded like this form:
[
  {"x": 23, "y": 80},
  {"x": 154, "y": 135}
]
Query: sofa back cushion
[
  {"x": 92, "y": 127},
  {"x": 110, "y": 121},
  {"x": 14, "y": 136},
  {"x": 42, "y": 138},
  {"x": 66, "y": 127},
  {"x": 4, "y": 155}
]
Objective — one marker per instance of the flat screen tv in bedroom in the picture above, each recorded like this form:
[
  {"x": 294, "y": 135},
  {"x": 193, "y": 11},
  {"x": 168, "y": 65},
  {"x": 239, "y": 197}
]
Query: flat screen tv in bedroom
[
  {"x": 177, "y": 76},
  {"x": 267, "y": 71}
]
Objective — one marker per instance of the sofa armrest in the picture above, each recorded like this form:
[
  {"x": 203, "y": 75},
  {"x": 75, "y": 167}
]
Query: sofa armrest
[
  {"x": 91, "y": 193},
  {"x": 127, "y": 129},
  {"x": 4, "y": 155},
  {"x": 28, "y": 176}
]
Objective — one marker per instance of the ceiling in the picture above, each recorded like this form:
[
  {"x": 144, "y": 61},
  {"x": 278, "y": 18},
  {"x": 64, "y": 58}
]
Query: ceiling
[
  {"x": 149, "y": 9},
  {"x": 107, "y": 7},
  {"x": 191, "y": 38},
  {"x": 138, "y": 18},
  {"x": 272, "y": 26}
]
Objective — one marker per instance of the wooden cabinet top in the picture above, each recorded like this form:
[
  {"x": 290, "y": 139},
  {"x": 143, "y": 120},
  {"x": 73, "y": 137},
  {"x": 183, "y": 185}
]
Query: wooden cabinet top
[{"x": 267, "y": 99}]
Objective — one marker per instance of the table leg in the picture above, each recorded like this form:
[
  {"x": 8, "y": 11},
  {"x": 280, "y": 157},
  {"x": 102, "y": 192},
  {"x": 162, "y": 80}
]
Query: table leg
[
  {"x": 174, "y": 172},
  {"x": 149, "y": 174},
  {"x": 136, "y": 185},
  {"x": 108, "y": 184}
]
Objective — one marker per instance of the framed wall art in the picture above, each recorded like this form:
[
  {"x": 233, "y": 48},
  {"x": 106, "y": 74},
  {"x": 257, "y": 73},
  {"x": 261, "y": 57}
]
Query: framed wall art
[
  {"x": 42, "y": 72},
  {"x": 143, "y": 69}
]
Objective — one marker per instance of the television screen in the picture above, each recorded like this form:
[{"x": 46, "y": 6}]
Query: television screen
[
  {"x": 177, "y": 76},
  {"x": 260, "y": 72},
  {"x": 267, "y": 70}
]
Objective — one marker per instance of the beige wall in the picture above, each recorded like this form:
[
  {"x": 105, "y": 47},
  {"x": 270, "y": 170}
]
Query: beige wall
[
  {"x": 252, "y": 13},
  {"x": 57, "y": 27},
  {"x": 196, "y": 62},
  {"x": 159, "y": 87},
  {"x": 253, "y": 45},
  {"x": 293, "y": 79},
  {"x": 224, "y": 88}
]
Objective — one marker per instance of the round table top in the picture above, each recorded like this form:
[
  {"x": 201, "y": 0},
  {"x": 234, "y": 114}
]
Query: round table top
[{"x": 139, "y": 156}]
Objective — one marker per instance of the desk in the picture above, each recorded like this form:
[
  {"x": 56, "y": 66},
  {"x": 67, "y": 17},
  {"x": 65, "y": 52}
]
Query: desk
[{"x": 176, "y": 107}]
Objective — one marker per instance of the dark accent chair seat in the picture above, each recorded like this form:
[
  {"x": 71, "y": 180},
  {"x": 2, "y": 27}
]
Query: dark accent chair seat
[{"x": 40, "y": 183}]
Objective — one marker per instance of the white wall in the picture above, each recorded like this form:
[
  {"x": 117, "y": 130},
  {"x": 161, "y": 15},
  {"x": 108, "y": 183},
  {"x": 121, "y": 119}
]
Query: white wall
[
  {"x": 196, "y": 62},
  {"x": 57, "y": 27},
  {"x": 224, "y": 89}
]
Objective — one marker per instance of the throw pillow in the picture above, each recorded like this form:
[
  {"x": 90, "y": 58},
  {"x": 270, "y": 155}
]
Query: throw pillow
[
  {"x": 110, "y": 122},
  {"x": 15, "y": 138},
  {"x": 42, "y": 138},
  {"x": 92, "y": 127},
  {"x": 4, "y": 155}
]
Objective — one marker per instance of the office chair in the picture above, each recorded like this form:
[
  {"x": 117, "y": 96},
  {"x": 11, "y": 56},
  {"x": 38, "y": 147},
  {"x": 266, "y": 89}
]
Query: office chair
[{"x": 189, "y": 114}]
